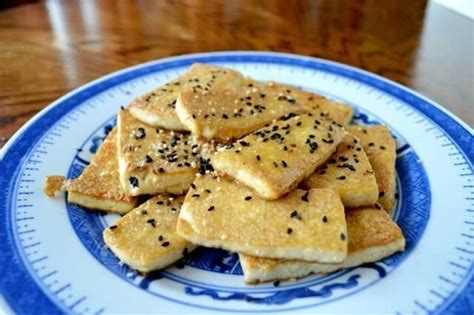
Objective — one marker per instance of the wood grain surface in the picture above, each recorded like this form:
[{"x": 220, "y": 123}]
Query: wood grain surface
[{"x": 50, "y": 48}]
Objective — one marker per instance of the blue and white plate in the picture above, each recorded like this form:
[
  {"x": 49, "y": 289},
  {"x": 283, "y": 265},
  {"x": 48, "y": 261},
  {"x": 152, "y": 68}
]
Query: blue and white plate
[{"x": 53, "y": 258}]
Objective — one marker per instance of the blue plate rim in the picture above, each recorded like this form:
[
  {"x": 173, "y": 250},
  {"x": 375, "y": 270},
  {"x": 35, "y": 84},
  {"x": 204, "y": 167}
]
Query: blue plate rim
[{"x": 297, "y": 59}]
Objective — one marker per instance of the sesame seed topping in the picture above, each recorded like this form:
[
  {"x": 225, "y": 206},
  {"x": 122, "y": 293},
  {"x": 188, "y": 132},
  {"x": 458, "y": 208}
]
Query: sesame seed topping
[
  {"x": 244, "y": 144},
  {"x": 381, "y": 194},
  {"x": 148, "y": 159},
  {"x": 160, "y": 202},
  {"x": 193, "y": 186},
  {"x": 341, "y": 177},
  {"x": 160, "y": 238},
  {"x": 258, "y": 157},
  {"x": 113, "y": 227},
  {"x": 225, "y": 116},
  {"x": 140, "y": 133},
  {"x": 165, "y": 244},
  {"x": 305, "y": 197},
  {"x": 144, "y": 212},
  {"x": 371, "y": 144},
  {"x": 211, "y": 208},
  {"x": 382, "y": 147},
  {"x": 133, "y": 181},
  {"x": 325, "y": 219},
  {"x": 195, "y": 195},
  {"x": 248, "y": 198},
  {"x": 284, "y": 163},
  {"x": 343, "y": 237},
  {"x": 289, "y": 230},
  {"x": 151, "y": 222}
]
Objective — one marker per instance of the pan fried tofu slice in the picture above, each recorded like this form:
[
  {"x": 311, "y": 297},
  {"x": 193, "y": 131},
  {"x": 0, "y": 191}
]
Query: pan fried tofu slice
[
  {"x": 99, "y": 187},
  {"x": 274, "y": 159},
  {"x": 315, "y": 103},
  {"x": 306, "y": 225},
  {"x": 153, "y": 160},
  {"x": 146, "y": 239},
  {"x": 157, "y": 108},
  {"x": 372, "y": 236},
  {"x": 349, "y": 172},
  {"x": 226, "y": 115},
  {"x": 380, "y": 147}
]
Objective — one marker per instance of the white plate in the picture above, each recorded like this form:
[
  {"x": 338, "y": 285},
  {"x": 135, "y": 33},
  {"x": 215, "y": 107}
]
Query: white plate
[{"x": 53, "y": 257}]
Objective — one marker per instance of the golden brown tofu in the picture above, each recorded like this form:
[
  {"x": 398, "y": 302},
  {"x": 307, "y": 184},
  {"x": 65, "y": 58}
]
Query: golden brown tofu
[
  {"x": 307, "y": 225},
  {"x": 157, "y": 108},
  {"x": 153, "y": 160},
  {"x": 274, "y": 159},
  {"x": 225, "y": 115},
  {"x": 53, "y": 184},
  {"x": 349, "y": 172},
  {"x": 380, "y": 147},
  {"x": 146, "y": 239},
  {"x": 372, "y": 236},
  {"x": 99, "y": 187}
]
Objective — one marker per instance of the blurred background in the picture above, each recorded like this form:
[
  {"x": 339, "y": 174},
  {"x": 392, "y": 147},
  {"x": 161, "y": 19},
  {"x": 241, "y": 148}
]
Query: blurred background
[{"x": 48, "y": 48}]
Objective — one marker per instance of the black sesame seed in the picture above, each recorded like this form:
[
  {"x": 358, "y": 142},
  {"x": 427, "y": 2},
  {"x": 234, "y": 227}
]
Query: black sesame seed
[
  {"x": 341, "y": 177},
  {"x": 325, "y": 219},
  {"x": 133, "y": 181},
  {"x": 276, "y": 283},
  {"x": 381, "y": 194},
  {"x": 140, "y": 134},
  {"x": 305, "y": 197},
  {"x": 258, "y": 157},
  {"x": 225, "y": 116},
  {"x": 248, "y": 198},
  {"x": 174, "y": 209},
  {"x": 144, "y": 212},
  {"x": 193, "y": 186},
  {"x": 343, "y": 237},
  {"x": 289, "y": 230},
  {"x": 299, "y": 123},
  {"x": 382, "y": 147},
  {"x": 211, "y": 208},
  {"x": 160, "y": 202},
  {"x": 148, "y": 159},
  {"x": 151, "y": 222},
  {"x": 161, "y": 170},
  {"x": 275, "y": 164},
  {"x": 160, "y": 238},
  {"x": 284, "y": 163},
  {"x": 371, "y": 144},
  {"x": 293, "y": 214},
  {"x": 195, "y": 195},
  {"x": 113, "y": 227},
  {"x": 244, "y": 144},
  {"x": 165, "y": 244}
]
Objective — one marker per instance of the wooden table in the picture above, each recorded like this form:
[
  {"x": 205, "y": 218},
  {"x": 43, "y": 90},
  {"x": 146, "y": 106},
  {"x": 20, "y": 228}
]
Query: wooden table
[{"x": 48, "y": 49}]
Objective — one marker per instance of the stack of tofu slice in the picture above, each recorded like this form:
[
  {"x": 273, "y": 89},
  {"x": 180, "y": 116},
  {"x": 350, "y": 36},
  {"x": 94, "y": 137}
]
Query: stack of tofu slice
[{"x": 267, "y": 170}]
